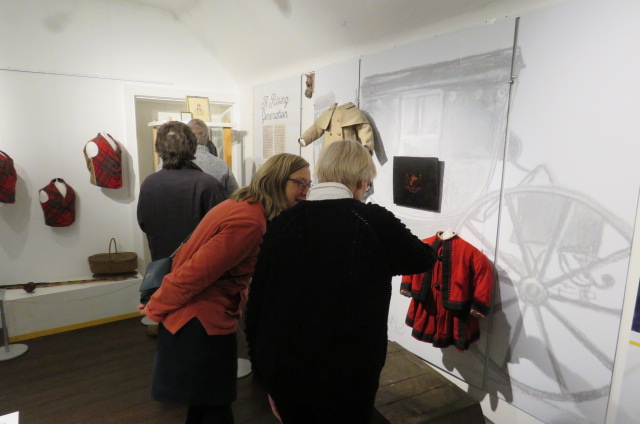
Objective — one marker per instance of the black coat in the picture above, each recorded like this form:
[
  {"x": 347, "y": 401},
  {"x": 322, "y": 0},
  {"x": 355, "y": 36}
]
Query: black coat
[
  {"x": 171, "y": 204},
  {"x": 319, "y": 299}
]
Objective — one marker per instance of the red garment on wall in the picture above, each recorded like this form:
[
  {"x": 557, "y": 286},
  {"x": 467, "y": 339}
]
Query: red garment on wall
[
  {"x": 8, "y": 178},
  {"x": 106, "y": 166},
  {"x": 442, "y": 301},
  {"x": 59, "y": 210}
]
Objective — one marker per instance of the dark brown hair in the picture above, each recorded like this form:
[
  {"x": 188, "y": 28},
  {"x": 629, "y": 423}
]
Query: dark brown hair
[{"x": 176, "y": 144}]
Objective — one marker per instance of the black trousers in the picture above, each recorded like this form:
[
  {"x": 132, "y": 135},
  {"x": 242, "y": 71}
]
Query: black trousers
[
  {"x": 210, "y": 414},
  {"x": 297, "y": 413}
]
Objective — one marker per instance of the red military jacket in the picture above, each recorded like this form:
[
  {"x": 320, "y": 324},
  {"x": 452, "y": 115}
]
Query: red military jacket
[
  {"x": 447, "y": 302},
  {"x": 59, "y": 210},
  {"x": 106, "y": 166},
  {"x": 8, "y": 178}
]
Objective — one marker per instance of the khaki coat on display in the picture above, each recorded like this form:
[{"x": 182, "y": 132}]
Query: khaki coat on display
[{"x": 344, "y": 122}]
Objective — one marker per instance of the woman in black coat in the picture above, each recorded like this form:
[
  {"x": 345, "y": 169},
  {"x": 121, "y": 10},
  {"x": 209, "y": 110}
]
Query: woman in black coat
[
  {"x": 319, "y": 300},
  {"x": 173, "y": 200}
]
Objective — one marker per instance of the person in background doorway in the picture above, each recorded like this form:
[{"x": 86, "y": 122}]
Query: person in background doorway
[
  {"x": 209, "y": 163},
  {"x": 316, "y": 320},
  {"x": 201, "y": 300}
]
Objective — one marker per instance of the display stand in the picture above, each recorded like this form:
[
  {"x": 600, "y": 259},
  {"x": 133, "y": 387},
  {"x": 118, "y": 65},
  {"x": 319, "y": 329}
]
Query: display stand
[
  {"x": 244, "y": 367},
  {"x": 147, "y": 321},
  {"x": 8, "y": 351}
]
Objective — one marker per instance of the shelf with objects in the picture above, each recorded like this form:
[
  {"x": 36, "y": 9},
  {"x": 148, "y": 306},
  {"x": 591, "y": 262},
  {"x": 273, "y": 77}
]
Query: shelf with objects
[{"x": 219, "y": 115}]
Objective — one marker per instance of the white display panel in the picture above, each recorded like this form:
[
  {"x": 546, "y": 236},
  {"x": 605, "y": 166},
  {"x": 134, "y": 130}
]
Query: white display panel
[
  {"x": 445, "y": 97},
  {"x": 276, "y": 118},
  {"x": 571, "y": 186}
]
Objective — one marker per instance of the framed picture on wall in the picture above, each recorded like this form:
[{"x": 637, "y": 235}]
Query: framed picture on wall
[{"x": 199, "y": 108}]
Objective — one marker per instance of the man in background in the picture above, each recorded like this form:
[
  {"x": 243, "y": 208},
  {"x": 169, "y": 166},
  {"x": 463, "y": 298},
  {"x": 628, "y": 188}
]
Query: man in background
[{"x": 209, "y": 163}]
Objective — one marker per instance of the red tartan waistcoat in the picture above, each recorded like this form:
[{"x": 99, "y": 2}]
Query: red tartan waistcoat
[
  {"x": 106, "y": 166},
  {"x": 8, "y": 178},
  {"x": 59, "y": 211}
]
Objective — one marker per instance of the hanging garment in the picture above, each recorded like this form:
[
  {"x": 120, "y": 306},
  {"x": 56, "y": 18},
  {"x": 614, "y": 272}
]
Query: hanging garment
[
  {"x": 106, "y": 165},
  {"x": 344, "y": 122},
  {"x": 59, "y": 210},
  {"x": 446, "y": 303},
  {"x": 8, "y": 178}
]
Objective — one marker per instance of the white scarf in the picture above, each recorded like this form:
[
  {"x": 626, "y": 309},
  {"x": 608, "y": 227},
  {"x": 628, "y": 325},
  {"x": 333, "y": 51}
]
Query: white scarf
[{"x": 329, "y": 191}]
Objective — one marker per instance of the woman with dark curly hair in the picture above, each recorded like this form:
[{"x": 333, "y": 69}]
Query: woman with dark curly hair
[{"x": 173, "y": 200}]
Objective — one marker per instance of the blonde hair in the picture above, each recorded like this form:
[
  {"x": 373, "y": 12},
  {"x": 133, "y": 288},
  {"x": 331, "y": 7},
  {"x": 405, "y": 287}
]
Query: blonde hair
[
  {"x": 200, "y": 129},
  {"x": 268, "y": 185},
  {"x": 346, "y": 162}
]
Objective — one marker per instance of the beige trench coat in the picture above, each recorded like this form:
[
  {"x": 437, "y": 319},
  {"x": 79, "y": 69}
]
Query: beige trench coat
[{"x": 344, "y": 122}]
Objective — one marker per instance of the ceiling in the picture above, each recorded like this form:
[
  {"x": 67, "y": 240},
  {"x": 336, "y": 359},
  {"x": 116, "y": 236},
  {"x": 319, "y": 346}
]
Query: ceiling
[{"x": 251, "y": 37}]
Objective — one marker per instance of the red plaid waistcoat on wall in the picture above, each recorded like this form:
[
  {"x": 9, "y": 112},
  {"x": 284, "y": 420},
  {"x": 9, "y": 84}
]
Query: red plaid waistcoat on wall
[
  {"x": 106, "y": 166},
  {"x": 59, "y": 211},
  {"x": 8, "y": 178}
]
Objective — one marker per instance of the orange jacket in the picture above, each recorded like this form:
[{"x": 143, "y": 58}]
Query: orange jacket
[{"x": 210, "y": 274}]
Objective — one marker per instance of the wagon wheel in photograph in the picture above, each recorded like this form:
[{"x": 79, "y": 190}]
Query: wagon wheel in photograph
[{"x": 562, "y": 263}]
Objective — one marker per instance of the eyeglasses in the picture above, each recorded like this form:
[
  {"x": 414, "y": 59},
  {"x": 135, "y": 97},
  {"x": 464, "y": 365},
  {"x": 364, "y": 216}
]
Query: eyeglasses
[
  {"x": 302, "y": 184},
  {"x": 369, "y": 186}
]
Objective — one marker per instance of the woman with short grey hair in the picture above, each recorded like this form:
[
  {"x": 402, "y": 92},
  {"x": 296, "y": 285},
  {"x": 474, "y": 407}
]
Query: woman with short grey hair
[{"x": 317, "y": 312}]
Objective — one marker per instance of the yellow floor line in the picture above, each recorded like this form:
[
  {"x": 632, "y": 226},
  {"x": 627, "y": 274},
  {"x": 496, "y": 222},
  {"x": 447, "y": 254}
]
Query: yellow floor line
[{"x": 73, "y": 327}]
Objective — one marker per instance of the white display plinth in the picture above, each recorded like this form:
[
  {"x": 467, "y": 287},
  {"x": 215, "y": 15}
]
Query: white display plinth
[
  {"x": 12, "y": 351},
  {"x": 61, "y": 308}
]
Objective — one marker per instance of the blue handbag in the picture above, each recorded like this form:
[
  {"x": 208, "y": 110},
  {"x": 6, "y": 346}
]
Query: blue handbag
[
  {"x": 153, "y": 276},
  {"x": 155, "y": 272}
]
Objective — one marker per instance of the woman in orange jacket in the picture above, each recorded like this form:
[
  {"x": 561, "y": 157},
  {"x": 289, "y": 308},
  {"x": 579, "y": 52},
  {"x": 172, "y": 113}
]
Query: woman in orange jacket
[{"x": 201, "y": 300}]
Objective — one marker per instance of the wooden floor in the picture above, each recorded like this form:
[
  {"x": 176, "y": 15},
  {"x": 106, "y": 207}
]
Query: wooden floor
[{"x": 102, "y": 375}]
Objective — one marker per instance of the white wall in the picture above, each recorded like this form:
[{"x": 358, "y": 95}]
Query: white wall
[{"x": 68, "y": 70}]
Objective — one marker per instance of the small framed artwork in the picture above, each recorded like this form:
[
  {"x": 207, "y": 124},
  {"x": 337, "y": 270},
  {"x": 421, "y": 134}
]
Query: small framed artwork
[
  {"x": 417, "y": 182},
  {"x": 185, "y": 116},
  {"x": 199, "y": 108}
]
